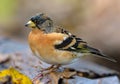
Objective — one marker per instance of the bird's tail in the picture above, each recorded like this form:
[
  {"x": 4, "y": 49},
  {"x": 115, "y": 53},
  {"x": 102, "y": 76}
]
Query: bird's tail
[{"x": 99, "y": 53}]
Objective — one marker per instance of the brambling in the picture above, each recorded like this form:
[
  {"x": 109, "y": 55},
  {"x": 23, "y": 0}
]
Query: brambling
[{"x": 54, "y": 45}]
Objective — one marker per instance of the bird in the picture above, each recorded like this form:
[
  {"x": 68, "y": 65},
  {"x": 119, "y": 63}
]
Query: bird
[{"x": 54, "y": 44}]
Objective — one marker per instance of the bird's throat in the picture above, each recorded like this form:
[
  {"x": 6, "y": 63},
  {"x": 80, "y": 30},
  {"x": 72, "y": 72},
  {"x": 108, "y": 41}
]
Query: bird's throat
[{"x": 36, "y": 30}]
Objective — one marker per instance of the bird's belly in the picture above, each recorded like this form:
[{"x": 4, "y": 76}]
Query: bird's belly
[{"x": 56, "y": 57}]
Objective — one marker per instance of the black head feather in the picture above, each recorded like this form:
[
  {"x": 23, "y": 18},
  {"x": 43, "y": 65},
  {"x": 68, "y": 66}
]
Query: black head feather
[{"x": 39, "y": 19}]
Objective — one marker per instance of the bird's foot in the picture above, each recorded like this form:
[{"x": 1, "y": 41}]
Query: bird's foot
[{"x": 45, "y": 72}]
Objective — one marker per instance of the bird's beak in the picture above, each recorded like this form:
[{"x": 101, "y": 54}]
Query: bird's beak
[{"x": 30, "y": 24}]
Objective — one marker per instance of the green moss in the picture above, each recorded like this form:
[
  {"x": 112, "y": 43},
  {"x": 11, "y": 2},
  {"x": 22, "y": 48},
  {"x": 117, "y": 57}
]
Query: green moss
[{"x": 7, "y": 9}]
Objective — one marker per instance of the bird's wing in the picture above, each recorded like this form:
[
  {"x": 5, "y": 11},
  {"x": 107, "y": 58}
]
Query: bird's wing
[
  {"x": 71, "y": 43},
  {"x": 74, "y": 44}
]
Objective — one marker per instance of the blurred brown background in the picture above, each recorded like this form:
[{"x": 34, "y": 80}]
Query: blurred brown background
[{"x": 96, "y": 21}]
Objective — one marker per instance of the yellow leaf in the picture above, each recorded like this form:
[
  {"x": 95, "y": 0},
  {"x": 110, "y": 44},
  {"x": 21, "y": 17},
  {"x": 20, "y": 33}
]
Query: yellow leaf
[{"x": 17, "y": 77}]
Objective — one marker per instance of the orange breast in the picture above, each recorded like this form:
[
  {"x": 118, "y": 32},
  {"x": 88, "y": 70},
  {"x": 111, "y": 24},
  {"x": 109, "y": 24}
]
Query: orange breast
[{"x": 42, "y": 45}]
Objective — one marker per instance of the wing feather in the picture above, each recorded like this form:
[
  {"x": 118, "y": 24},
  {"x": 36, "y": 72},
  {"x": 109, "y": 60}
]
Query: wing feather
[{"x": 74, "y": 44}]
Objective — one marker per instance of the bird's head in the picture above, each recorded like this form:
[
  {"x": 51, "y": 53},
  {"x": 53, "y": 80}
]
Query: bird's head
[{"x": 40, "y": 21}]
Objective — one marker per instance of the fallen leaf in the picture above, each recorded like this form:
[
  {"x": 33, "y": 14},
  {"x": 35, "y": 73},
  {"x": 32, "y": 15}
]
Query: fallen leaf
[{"x": 16, "y": 76}]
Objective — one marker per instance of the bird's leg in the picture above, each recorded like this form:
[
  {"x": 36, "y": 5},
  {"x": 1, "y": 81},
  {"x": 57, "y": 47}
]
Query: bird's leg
[
  {"x": 50, "y": 69},
  {"x": 52, "y": 66},
  {"x": 55, "y": 67},
  {"x": 46, "y": 71},
  {"x": 43, "y": 73}
]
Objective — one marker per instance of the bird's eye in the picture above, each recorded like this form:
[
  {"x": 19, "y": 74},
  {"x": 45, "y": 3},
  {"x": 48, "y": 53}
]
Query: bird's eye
[{"x": 33, "y": 20}]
